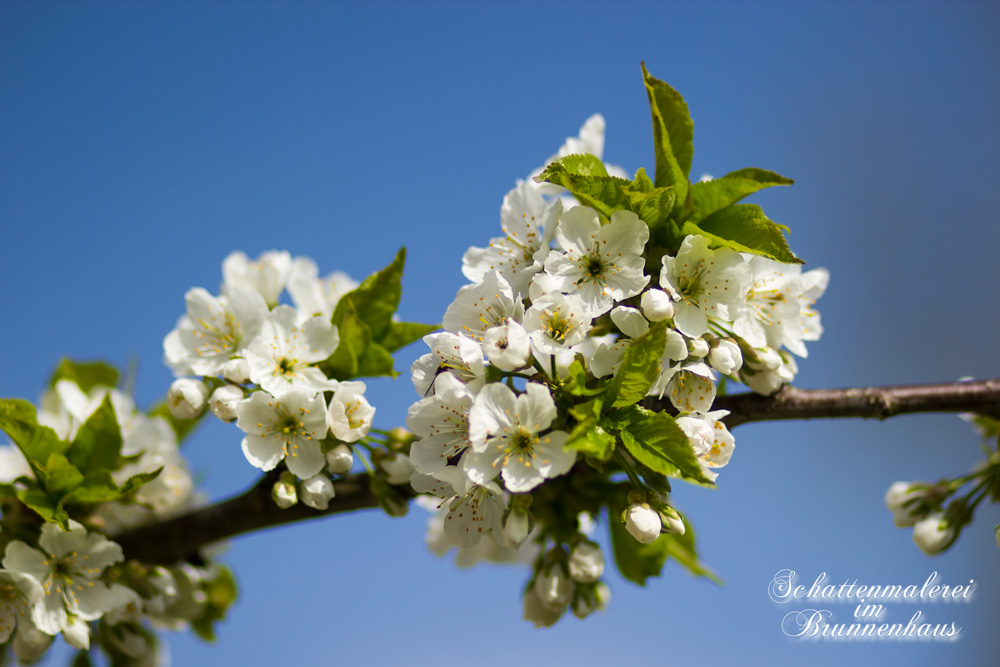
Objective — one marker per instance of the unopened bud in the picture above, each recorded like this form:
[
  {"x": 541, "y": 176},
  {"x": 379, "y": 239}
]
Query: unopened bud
[
  {"x": 586, "y": 562},
  {"x": 553, "y": 588},
  {"x": 283, "y": 491},
  {"x": 537, "y": 613},
  {"x": 643, "y": 522},
  {"x": 933, "y": 534},
  {"x": 224, "y": 402},
  {"x": 397, "y": 468},
  {"x": 77, "y": 633},
  {"x": 316, "y": 492},
  {"x": 725, "y": 356},
  {"x": 697, "y": 348},
  {"x": 340, "y": 460},
  {"x": 656, "y": 305},
  {"x": 763, "y": 359},
  {"x": 672, "y": 521},
  {"x": 236, "y": 371},
  {"x": 187, "y": 398},
  {"x": 517, "y": 525}
]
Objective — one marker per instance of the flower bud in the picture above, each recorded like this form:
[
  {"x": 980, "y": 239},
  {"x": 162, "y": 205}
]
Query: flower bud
[
  {"x": 517, "y": 526},
  {"x": 30, "y": 642},
  {"x": 643, "y": 522},
  {"x": 697, "y": 347},
  {"x": 763, "y": 359},
  {"x": 187, "y": 398},
  {"x": 586, "y": 562},
  {"x": 672, "y": 521},
  {"x": 656, "y": 305},
  {"x": 397, "y": 468},
  {"x": 401, "y": 439},
  {"x": 590, "y": 599},
  {"x": 553, "y": 588},
  {"x": 933, "y": 534},
  {"x": 340, "y": 460},
  {"x": 224, "y": 401},
  {"x": 283, "y": 491},
  {"x": 537, "y": 613},
  {"x": 906, "y": 503},
  {"x": 77, "y": 633},
  {"x": 725, "y": 356},
  {"x": 996, "y": 532},
  {"x": 236, "y": 371},
  {"x": 316, "y": 491}
]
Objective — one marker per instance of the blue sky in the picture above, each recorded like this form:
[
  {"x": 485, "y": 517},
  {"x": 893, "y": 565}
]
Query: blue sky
[{"x": 142, "y": 142}]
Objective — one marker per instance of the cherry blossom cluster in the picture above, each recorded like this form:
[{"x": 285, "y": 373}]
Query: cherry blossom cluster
[
  {"x": 565, "y": 284},
  {"x": 57, "y": 581},
  {"x": 259, "y": 361}
]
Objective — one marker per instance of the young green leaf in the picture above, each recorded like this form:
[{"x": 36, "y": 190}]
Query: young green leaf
[
  {"x": 715, "y": 195},
  {"x": 98, "y": 443},
  {"x": 355, "y": 336},
  {"x": 43, "y": 506},
  {"x": 18, "y": 420},
  {"x": 673, "y": 135},
  {"x": 656, "y": 441},
  {"x": 377, "y": 298},
  {"x": 639, "y": 368},
  {"x": 604, "y": 194},
  {"x": 401, "y": 334},
  {"x": 85, "y": 374},
  {"x": 745, "y": 228},
  {"x": 59, "y": 477}
]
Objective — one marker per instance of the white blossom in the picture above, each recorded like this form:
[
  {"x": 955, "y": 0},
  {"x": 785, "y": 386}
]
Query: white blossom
[
  {"x": 482, "y": 306},
  {"x": 507, "y": 346},
  {"x": 18, "y": 592},
  {"x": 288, "y": 428},
  {"x": 556, "y": 322},
  {"x": 282, "y": 357},
  {"x": 313, "y": 295},
  {"x": 528, "y": 223},
  {"x": 603, "y": 264},
  {"x": 441, "y": 424},
  {"x": 68, "y": 569},
  {"x": 656, "y": 305},
  {"x": 397, "y": 468},
  {"x": 473, "y": 511},
  {"x": 213, "y": 331},
  {"x": 507, "y": 432},
  {"x": 704, "y": 283},
  {"x": 608, "y": 356},
  {"x": 453, "y": 354},
  {"x": 725, "y": 356},
  {"x": 350, "y": 413},
  {"x": 236, "y": 371},
  {"x": 266, "y": 275}
]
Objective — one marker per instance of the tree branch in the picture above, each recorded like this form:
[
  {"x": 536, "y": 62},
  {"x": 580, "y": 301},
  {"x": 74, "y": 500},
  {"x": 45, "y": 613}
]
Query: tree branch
[
  {"x": 180, "y": 538},
  {"x": 979, "y": 396}
]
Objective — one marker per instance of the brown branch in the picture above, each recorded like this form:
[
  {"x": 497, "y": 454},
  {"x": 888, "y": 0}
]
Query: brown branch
[
  {"x": 180, "y": 538},
  {"x": 979, "y": 396}
]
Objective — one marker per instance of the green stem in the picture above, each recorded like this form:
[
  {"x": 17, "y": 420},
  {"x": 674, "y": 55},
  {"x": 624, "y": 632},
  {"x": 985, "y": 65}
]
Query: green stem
[{"x": 629, "y": 470}]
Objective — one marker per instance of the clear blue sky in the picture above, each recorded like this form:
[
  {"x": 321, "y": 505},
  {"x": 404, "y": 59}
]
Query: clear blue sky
[{"x": 142, "y": 142}]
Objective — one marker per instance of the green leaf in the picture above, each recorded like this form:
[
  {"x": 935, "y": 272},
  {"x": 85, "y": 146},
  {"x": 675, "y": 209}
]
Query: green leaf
[
  {"x": 355, "y": 336},
  {"x": 401, "y": 334},
  {"x": 639, "y": 368},
  {"x": 85, "y": 374},
  {"x": 656, "y": 441},
  {"x": 98, "y": 443},
  {"x": 652, "y": 207},
  {"x": 18, "y": 420},
  {"x": 715, "y": 195},
  {"x": 604, "y": 194},
  {"x": 376, "y": 361},
  {"x": 642, "y": 182},
  {"x": 100, "y": 487},
  {"x": 588, "y": 437},
  {"x": 682, "y": 549},
  {"x": 745, "y": 228},
  {"x": 135, "y": 481},
  {"x": 44, "y": 506},
  {"x": 673, "y": 135},
  {"x": 59, "y": 477},
  {"x": 576, "y": 384},
  {"x": 377, "y": 298},
  {"x": 637, "y": 562},
  {"x": 583, "y": 164}
]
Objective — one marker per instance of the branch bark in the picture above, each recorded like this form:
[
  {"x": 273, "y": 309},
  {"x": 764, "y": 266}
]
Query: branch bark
[{"x": 180, "y": 538}]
